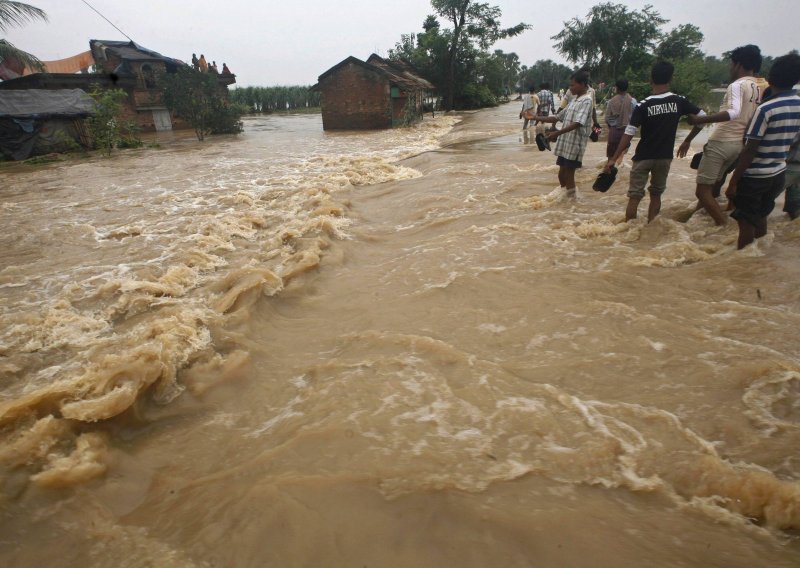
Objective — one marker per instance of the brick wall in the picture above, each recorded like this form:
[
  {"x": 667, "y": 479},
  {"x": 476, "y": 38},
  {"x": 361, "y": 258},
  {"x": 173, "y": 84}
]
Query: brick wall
[{"x": 355, "y": 98}]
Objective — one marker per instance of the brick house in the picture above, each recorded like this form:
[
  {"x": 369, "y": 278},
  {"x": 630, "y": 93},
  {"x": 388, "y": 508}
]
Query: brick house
[
  {"x": 124, "y": 65},
  {"x": 374, "y": 94}
]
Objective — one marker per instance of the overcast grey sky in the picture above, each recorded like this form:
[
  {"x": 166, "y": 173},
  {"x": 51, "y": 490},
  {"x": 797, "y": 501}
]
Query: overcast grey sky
[{"x": 291, "y": 43}]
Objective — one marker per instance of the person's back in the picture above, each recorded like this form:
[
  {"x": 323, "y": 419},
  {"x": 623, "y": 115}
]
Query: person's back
[
  {"x": 658, "y": 117},
  {"x": 546, "y": 102},
  {"x": 743, "y": 95},
  {"x": 759, "y": 177}
]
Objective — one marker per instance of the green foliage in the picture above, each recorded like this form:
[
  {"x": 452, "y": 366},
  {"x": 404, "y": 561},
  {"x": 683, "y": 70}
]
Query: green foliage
[
  {"x": 199, "y": 99},
  {"x": 608, "y": 36},
  {"x": 681, "y": 43},
  {"x": 271, "y": 99},
  {"x": 476, "y": 96},
  {"x": 691, "y": 80},
  {"x": 107, "y": 127},
  {"x": 476, "y": 27},
  {"x": 544, "y": 70},
  {"x": 457, "y": 60}
]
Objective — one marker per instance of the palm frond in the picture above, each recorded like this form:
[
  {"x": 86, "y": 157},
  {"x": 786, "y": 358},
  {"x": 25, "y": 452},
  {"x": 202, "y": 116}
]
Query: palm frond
[
  {"x": 15, "y": 14},
  {"x": 8, "y": 51}
]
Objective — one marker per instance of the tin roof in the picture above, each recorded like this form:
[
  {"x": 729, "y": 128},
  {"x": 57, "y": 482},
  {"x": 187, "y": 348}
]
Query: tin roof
[{"x": 397, "y": 73}]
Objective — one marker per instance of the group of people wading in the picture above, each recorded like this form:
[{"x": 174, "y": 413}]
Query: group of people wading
[{"x": 757, "y": 139}]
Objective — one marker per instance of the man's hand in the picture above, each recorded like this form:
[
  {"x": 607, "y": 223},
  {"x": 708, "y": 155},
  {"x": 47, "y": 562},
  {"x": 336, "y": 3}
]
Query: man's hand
[
  {"x": 607, "y": 167},
  {"x": 683, "y": 149},
  {"x": 551, "y": 136}
]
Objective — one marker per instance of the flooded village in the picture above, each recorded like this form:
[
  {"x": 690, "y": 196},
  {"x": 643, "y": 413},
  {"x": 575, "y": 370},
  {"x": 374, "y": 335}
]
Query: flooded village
[{"x": 363, "y": 321}]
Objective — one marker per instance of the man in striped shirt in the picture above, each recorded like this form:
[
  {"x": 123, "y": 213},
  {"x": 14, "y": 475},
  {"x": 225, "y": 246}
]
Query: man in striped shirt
[{"x": 759, "y": 175}]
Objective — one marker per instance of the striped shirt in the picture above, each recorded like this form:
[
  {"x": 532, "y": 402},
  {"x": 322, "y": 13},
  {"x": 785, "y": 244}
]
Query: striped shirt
[{"x": 775, "y": 124}]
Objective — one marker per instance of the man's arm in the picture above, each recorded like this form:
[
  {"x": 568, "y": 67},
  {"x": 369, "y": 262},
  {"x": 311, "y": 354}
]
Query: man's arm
[
  {"x": 683, "y": 149},
  {"x": 621, "y": 149},
  {"x": 724, "y": 115}
]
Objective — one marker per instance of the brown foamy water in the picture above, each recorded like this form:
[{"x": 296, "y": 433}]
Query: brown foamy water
[{"x": 401, "y": 348}]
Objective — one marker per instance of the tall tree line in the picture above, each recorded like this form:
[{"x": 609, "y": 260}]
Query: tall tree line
[{"x": 270, "y": 99}]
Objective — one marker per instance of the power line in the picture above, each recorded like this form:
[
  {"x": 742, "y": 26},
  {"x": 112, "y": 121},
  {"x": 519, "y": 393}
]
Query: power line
[{"x": 107, "y": 20}]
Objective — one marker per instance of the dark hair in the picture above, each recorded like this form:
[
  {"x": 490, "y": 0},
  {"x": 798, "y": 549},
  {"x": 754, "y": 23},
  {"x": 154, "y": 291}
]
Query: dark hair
[
  {"x": 581, "y": 77},
  {"x": 748, "y": 56},
  {"x": 785, "y": 71},
  {"x": 622, "y": 84},
  {"x": 661, "y": 73},
  {"x": 532, "y": 88},
  {"x": 544, "y": 86}
]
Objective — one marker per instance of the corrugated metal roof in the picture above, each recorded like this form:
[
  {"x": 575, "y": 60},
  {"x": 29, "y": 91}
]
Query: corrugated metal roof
[{"x": 39, "y": 103}]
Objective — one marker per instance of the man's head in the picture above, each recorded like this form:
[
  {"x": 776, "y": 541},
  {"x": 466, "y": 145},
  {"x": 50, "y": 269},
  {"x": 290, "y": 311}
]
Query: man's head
[
  {"x": 545, "y": 86},
  {"x": 785, "y": 72},
  {"x": 531, "y": 89},
  {"x": 661, "y": 73},
  {"x": 622, "y": 85},
  {"x": 579, "y": 82},
  {"x": 745, "y": 60}
]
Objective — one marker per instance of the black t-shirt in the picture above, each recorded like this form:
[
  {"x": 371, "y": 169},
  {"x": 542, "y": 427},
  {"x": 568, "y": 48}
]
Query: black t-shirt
[{"x": 658, "y": 117}]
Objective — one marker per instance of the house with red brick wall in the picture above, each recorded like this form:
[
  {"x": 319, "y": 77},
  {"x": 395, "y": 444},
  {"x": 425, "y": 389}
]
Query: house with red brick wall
[
  {"x": 372, "y": 94},
  {"x": 128, "y": 66}
]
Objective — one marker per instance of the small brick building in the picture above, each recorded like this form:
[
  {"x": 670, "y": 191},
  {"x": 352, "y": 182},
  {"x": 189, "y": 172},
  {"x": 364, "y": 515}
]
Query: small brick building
[{"x": 374, "y": 94}]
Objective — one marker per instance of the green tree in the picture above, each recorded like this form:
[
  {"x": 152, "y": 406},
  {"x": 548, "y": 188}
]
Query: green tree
[
  {"x": 609, "y": 37},
  {"x": 474, "y": 24},
  {"x": 108, "y": 128},
  {"x": 545, "y": 71},
  {"x": 16, "y": 14},
  {"x": 681, "y": 43},
  {"x": 197, "y": 98}
]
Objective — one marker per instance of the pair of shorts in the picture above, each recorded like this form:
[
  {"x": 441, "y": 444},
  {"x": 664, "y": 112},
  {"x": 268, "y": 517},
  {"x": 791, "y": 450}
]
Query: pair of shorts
[
  {"x": 718, "y": 157},
  {"x": 614, "y": 136},
  {"x": 656, "y": 170},
  {"x": 755, "y": 197},
  {"x": 569, "y": 164}
]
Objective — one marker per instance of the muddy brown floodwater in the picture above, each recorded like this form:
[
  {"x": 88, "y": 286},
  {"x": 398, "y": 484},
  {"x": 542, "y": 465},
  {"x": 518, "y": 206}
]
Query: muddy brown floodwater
[{"x": 403, "y": 348}]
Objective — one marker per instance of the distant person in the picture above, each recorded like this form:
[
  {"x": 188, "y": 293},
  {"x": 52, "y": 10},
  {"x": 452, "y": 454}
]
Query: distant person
[
  {"x": 213, "y": 67},
  {"x": 760, "y": 174},
  {"x": 546, "y": 102},
  {"x": 202, "y": 63},
  {"x": 225, "y": 70},
  {"x": 725, "y": 143},
  {"x": 574, "y": 134},
  {"x": 658, "y": 117},
  {"x": 618, "y": 115},
  {"x": 195, "y": 62},
  {"x": 530, "y": 103}
]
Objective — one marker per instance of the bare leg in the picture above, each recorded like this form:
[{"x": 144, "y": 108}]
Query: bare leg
[
  {"x": 561, "y": 176},
  {"x": 655, "y": 206},
  {"x": 631, "y": 210},
  {"x": 747, "y": 233},
  {"x": 569, "y": 181},
  {"x": 706, "y": 199},
  {"x": 761, "y": 228}
]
